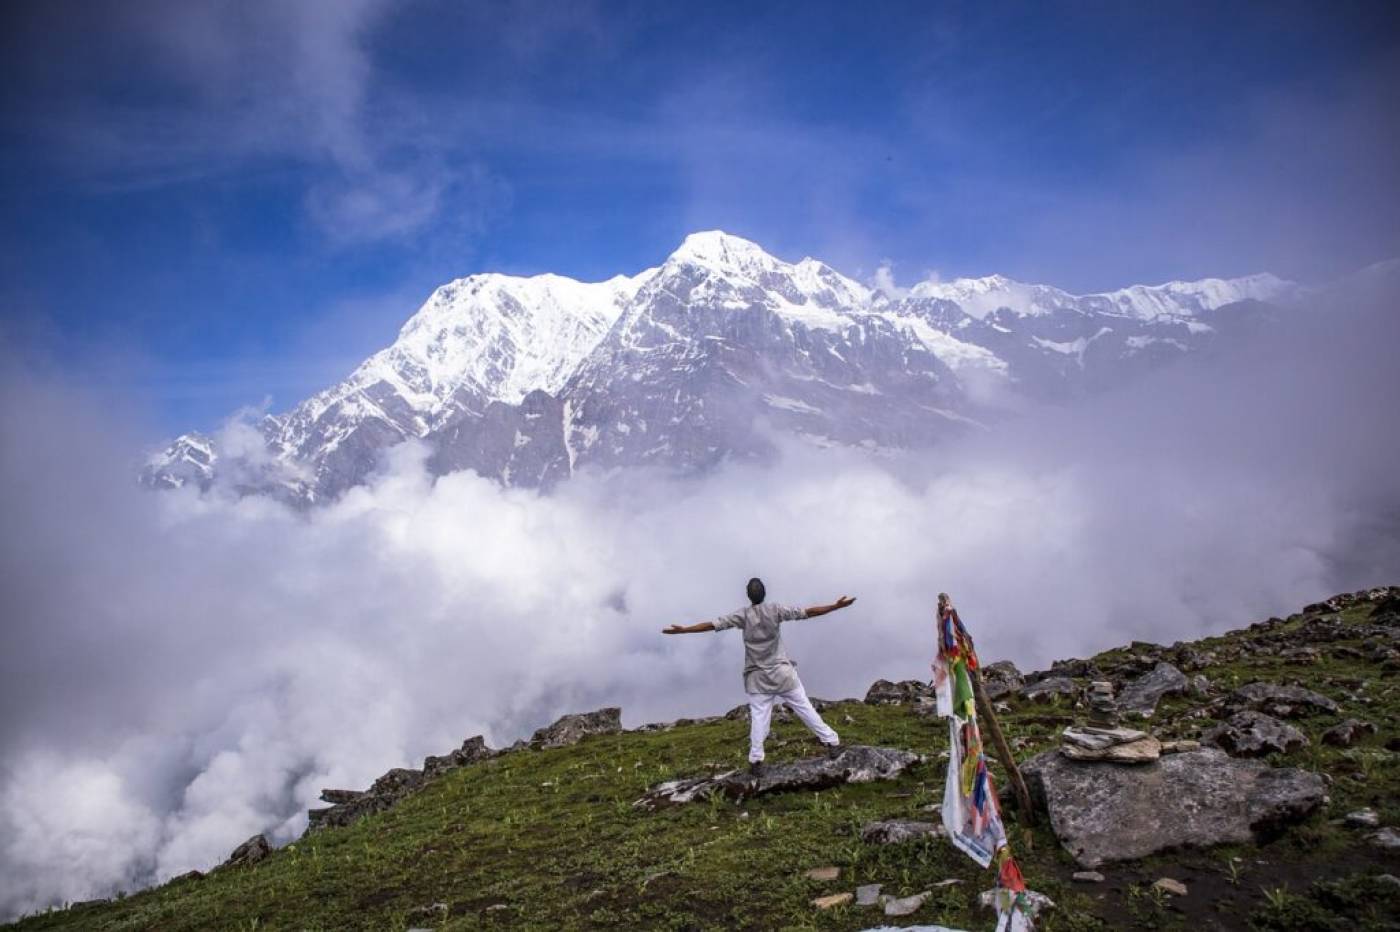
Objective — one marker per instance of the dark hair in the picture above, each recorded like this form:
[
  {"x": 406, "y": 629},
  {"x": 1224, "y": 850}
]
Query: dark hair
[{"x": 755, "y": 590}]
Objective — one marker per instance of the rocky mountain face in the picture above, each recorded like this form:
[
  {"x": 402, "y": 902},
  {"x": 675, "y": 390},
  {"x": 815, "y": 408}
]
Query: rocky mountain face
[{"x": 528, "y": 380}]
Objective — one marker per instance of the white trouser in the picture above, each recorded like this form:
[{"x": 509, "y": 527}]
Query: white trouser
[{"x": 761, "y": 714}]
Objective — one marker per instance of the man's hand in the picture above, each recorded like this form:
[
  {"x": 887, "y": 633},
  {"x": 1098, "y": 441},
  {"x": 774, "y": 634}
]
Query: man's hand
[
  {"x": 817, "y": 611},
  {"x": 701, "y": 628}
]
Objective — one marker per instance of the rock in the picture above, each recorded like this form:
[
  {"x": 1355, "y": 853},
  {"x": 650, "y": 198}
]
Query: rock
[
  {"x": 1103, "y": 708},
  {"x": 855, "y": 764},
  {"x": 1180, "y": 747},
  {"x": 1170, "y": 886},
  {"x": 1088, "y": 877},
  {"x": 832, "y": 901},
  {"x": 1123, "y": 745},
  {"x": 1254, "y": 734},
  {"x": 903, "y": 906},
  {"x": 1048, "y": 689},
  {"x": 1075, "y": 668},
  {"x": 1141, "y": 696},
  {"x": 1143, "y": 751},
  {"x": 1363, "y": 818},
  {"x": 474, "y": 749},
  {"x": 397, "y": 782},
  {"x": 1389, "y": 880},
  {"x": 1103, "y": 814},
  {"x": 1198, "y": 686},
  {"x": 1386, "y": 838},
  {"x": 187, "y": 875},
  {"x": 869, "y": 894},
  {"x": 885, "y": 692},
  {"x": 351, "y": 806},
  {"x": 896, "y": 831},
  {"x": 1280, "y": 701},
  {"x": 1347, "y": 733},
  {"x": 823, "y": 874},
  {"x": 1387, "y": 611},
  {"x": 571, "y": 729},
  {"x": 1001, "y": 679},
  {"x": 250, "y": 852},
  {"x": 1100, "y": 739}
]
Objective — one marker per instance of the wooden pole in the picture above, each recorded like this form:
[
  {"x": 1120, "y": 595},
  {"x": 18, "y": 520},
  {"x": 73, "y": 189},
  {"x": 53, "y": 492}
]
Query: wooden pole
[{"x": 988, "y": 718}]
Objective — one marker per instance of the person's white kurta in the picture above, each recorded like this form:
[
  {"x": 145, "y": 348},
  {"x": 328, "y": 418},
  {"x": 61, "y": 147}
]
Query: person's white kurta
[{"x": 769, "y": 676}]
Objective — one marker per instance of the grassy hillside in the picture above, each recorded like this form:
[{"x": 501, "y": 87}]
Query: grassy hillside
[{"x": 550, "y": 839}]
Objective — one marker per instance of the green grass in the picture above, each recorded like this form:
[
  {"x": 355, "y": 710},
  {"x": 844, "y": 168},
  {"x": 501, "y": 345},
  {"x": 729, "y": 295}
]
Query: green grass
[{"x": 551, "y": 838}]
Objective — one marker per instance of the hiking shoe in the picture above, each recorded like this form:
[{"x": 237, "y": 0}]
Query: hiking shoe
[
  {"x": 833, "y": 751},
  {"x": 755, "y": 768}
]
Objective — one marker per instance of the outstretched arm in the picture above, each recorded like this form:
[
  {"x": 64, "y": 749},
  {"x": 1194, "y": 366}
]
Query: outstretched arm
[
  {"x": 689, "y": 629},
  {"x": 818, "y": 610}
]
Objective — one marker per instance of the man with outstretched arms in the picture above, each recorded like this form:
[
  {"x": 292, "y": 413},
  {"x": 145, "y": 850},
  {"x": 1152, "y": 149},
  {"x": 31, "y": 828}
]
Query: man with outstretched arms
[{"x": 769, "y": 675}]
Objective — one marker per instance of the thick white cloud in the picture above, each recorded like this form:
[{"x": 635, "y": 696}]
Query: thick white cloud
[{"x": 183, "y": 671}]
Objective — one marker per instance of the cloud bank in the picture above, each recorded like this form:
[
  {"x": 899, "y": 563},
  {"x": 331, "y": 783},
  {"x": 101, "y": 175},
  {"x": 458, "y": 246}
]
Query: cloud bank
[{"x": 183, "y": 671}]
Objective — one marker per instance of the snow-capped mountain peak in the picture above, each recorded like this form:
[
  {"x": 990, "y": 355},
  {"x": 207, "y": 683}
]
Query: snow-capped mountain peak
[
  {"x": 529, "y": 378},
  {"x": 979, "y": 297},
  {"x": 723, "y": 252},
  {"x": 738, "y": 273}
]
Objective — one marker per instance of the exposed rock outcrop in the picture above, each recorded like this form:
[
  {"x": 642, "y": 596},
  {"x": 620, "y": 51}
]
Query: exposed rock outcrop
[
  {"x": 855, "y": 764},
  {"x": 349, "y": 806},
  {"x": 1279, "y": 701},
  {"x": 1141, "y": 696},
  {"x": 249, "y": 853},
  {"x": 1103, "y": 813},
  {"x": 1254, "y": 734},
  {"x": 571, "y": 729},
  {"x": 1050, "y": 688},
  {"x": 886, "y": 692},
  {"x": 474, "y": 749}
]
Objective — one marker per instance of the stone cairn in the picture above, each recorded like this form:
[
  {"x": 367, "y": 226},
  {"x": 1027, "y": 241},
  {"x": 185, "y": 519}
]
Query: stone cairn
[
  {"x": 1103, "y": 708},
  {"x": 1103, "y": 739}
]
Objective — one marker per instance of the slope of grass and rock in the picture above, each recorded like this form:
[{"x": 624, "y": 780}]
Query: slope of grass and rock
[{"x": 1251, "y": 781}]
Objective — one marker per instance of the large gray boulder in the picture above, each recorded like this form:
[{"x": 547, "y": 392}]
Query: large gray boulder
[
  {"x": 1140, "y": 697},
  {"x": 1001, "y": 679},
  {"x": 571, "y": 729},
  {"x": 1103, "y": 813},
  {"x": 1254, "y": 734},
  {"x": 855, "y": 764},
  {"x": 1049, "y": 689},
  {"x": 1280, "y": 701}
]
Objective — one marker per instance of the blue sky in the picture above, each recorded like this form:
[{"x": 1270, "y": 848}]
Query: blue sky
[{"x": 216, "y": 204}]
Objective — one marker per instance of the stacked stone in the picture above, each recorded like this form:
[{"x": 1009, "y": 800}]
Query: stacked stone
[{"x": 1103, "y": 708}]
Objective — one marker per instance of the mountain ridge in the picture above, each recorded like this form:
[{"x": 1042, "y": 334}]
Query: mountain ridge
[{"x": 628, "y": 365}]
